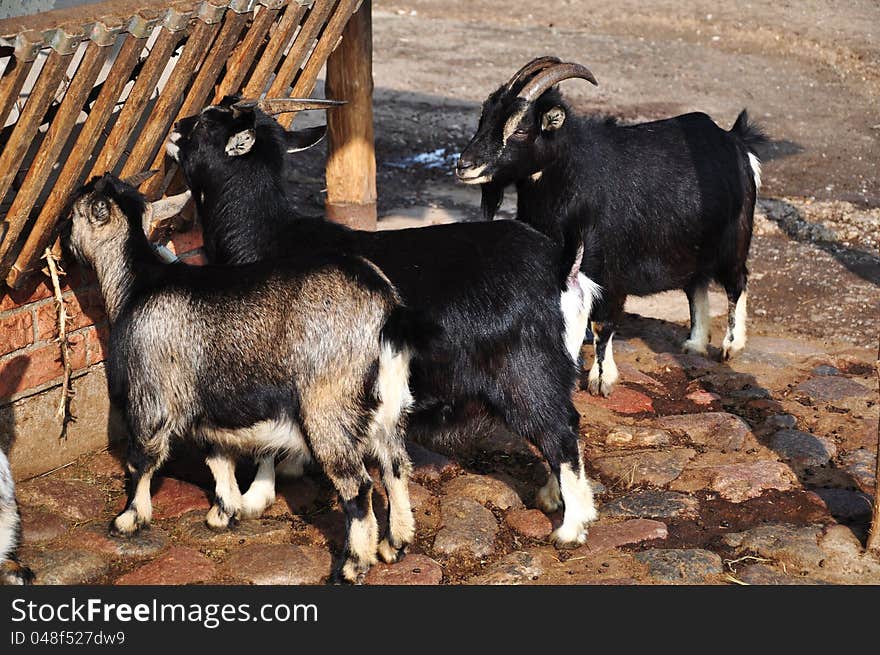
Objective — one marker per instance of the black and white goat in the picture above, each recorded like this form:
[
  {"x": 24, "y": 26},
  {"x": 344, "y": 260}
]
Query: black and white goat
[
  {"x": 12, "y": 572},
  {"x": 253, "y": 360},
  {"x": 511, "y": 322},
  {"x": 662, "y": 205}
]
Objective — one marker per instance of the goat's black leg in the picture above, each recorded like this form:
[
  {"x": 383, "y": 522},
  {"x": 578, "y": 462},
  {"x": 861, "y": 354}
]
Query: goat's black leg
[
  {"x": 361, "y": 529},
  {"x": 225, "y": 513},
  {"x": 701, "y": 321},
  {"x": 555, "y": 432}
]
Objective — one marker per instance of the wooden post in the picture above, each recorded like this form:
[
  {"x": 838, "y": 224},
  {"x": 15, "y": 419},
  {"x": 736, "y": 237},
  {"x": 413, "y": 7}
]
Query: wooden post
[{"x": 351, "y": 163}]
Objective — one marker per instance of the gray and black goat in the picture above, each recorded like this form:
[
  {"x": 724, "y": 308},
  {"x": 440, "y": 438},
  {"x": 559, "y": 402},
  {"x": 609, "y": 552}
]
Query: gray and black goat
[
  {"x": 510, "y": 305},
  {"x": 255, "y": 360},
  {"x": 662, "y": 205},
  {"x": 12, "y": 572}
]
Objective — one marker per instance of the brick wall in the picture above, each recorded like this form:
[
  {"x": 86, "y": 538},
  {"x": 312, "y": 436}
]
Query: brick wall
[{"x": 30, "y": 357}]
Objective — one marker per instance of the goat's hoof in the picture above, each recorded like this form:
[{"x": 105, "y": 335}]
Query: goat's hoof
[
  {"x": 548, "y": 499},
  {"x": 353, "y": 571},
  {"x": 599, "y": 387},
  {"x": 694, "y": 348},
  {"x": 15, "y": 574},
  {"x": 389, "y": 554},
  {"x": 219, "y": 520},
  {"x": 255, "y": 510},
  {"x": 569, "y": 537},
  {"x": 729, "y": 350},
  {"x": 127, "y": 525}
]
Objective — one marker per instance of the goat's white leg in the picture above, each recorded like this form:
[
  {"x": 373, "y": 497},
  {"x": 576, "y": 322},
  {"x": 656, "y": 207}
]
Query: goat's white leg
[
  {"x": 701, "y": 321},
  {"x": 735, "y": 339},
  {"x": 226, "y": 510},
  {"x": 293, "y": 465},
  {"x": 386, "y": 435},
  {"x": 603, "y": 374},
  {"x": 261, "y": 493},
  {"x": 139, "y": 511},
  {"x": 145, "y": 457},
  {"x": 580, "y": 509}
]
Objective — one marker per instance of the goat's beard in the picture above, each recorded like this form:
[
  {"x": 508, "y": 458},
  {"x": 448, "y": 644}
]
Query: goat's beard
[{"x": 492, "y": 193}]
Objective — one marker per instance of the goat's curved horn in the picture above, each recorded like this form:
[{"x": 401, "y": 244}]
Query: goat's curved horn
[
  {"x": 139, "y": 178},
  {"x": 534, "y": 66},
  {"x": 554, "y": 75},
  {"x": 287, "y": 105}
]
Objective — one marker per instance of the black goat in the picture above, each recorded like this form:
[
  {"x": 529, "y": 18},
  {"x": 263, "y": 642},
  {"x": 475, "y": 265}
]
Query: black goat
[
  {"x": 253, "y": 360},
  {"x": 662, "y": 205},
  {"x": 504, "y": 346},
  {"x": 11, "y": 571}
]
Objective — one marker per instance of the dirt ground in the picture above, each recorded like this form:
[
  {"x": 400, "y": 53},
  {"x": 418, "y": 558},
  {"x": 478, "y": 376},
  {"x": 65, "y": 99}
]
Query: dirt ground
[{"x": 766, "y": 475}]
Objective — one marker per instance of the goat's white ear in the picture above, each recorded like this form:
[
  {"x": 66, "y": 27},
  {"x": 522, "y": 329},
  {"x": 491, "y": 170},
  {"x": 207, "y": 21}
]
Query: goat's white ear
[
  {"x": 552, "y": 119},
  {"x": 241, "y": 143},
  {"x": 304, "y": 139}
]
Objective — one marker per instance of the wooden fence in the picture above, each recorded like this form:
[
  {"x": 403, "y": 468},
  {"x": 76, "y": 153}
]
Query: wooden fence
[{"x": 98, "y": 88}]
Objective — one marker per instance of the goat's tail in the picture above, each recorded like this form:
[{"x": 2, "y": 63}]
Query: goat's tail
[
  {"x": 577, "y": 247},
  {"x": 749, "y": 132},
  {"x": 750, "y": 135}
]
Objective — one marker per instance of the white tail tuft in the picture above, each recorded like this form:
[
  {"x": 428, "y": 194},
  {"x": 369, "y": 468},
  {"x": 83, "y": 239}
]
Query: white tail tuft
[{"x": 755, "y": 163}]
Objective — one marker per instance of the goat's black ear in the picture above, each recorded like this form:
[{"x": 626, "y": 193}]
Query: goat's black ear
[
  {"x": 304, "y": 139},
  {"x": 552, "y": 119},
  {"x": 241, "y": 143}
]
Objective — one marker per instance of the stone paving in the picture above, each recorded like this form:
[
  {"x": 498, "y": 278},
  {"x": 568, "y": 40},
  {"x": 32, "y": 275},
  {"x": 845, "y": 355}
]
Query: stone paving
[{"x": 759, "y": 471}]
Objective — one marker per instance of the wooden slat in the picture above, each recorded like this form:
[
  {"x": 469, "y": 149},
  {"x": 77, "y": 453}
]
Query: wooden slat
[
  {"x": 51, "y": 146},
  {"x": 199, "y": 90},
  {"x": 29, "y": 121},
  {"x": 136, "y": 103},
  {"x": 243, "y": 56},
  {"x": 171, "y": 98},
  {"x": 10, "y": 85},
  {"x": 74, "y": 165},
  {"x": 330, "y": 38},
  {"x": 275, "y": 48},
  {"x": 304, "y": 83},
  {"x": 308, "y": 33}
]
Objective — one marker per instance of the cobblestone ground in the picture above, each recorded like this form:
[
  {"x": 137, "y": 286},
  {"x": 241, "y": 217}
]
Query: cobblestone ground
[{"x": 759, "y": 471}]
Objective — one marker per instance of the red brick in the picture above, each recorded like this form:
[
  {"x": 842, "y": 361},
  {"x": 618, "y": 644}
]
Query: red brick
[
  {"x": 183, "y": 242},
  {"x": 37, "y": 287},
  {"x": 33, "y": 291},
  {"x": 38, "y": 366},
  {"x": 16, "y": 331},
  {"x": 97, "y": 343},
  {"x": 84, "y": 308},
  {"x": 178, "y": 566},
  {"x": 622, "y": 400}
]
